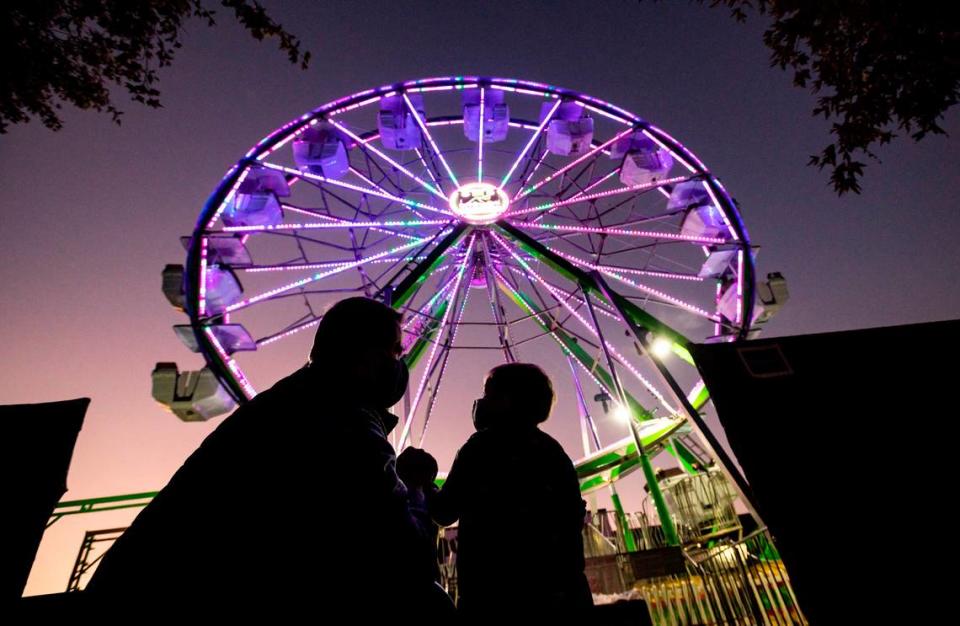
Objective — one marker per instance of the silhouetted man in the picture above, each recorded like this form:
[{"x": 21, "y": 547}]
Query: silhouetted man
[
  {"x": 517, "y": 496},
  {"x": 293, "y": 501}
]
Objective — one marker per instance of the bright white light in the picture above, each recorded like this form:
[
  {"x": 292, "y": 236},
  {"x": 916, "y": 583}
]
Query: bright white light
[
  {"x": 622, "y": 413},
  {"x": 479, "y": 203},
  {"x": 661, "y": 347}
]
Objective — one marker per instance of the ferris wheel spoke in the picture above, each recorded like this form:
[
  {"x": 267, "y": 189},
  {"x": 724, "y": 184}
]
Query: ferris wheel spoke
[
  {"x": 319, "y": 276},
  {"x": 483, "y": 91},
  {"x": 367, "y": 146},
  {"x": 311, "y": 320},
  {"x": 662, "y": 295},
  {"x": 372, "y": 163},
  {"x": 448, "y": 348},
  {"x": 620, "y": 232},
  {"x": 570, "y": 271},
  {"x": 632, "y": 189},
  {"x": 428, "y": 169},
  {"x": 526, "y": 148},
  {"x": 298, "y": 266},
  {"x": 336, "y": 225},
  {"x": 593, "y": 152},
  {"x": 593, "y": 184},
  {"x": 433, "y": 144},
  {"x": 376, "y": 186},
  {"x": 433, "y": 350},
  {"x": 322, "y": 180}
]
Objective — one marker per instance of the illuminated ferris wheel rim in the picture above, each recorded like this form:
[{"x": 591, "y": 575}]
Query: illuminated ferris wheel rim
[{"x": 497, "y": 210}]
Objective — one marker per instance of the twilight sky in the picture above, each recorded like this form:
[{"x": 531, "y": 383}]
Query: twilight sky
[{"x": 91, "y": 214}]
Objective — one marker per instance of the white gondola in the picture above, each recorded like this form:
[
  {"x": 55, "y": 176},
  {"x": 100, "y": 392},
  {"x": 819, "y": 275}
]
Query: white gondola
[
  {"x": 704, "y": 218},
  {"x": 231, "y": 337},
  {"x": 570, "y": 132},
  {"x": 496, "y": 115},
  {"x": 719, "y": 264},
  {"x": 173, "y": 285},
  {"x": 256, "y": 202},
  {"x": 398, "y": 128},
  {"x": 192, "y": 396},
  {"x": 642, "y": 160},
  {"x": 320, "y": 150}
]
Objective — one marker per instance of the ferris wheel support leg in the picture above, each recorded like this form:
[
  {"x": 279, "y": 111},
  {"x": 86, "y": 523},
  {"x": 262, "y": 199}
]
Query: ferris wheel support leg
[
  {"x": 714, "y": 448},
  {"x": 666, "y": 521},
  {"x": 629, "y": 543}
]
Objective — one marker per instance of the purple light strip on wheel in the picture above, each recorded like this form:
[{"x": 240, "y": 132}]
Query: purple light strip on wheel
[
  {"x": 352, "y": 107},
  {"x": 228, "y": 197},
  {"x": 609, "y": 115},
  {"x": 664, "y": 146},
  {"x": 653, "y": 273},
  {"x": 739, "y": 286},
  {"x": 443, "y": 366},
  {"x": 248, "y": 389},
  {"x": 267, "y": 294},
  {"x": 655, "y": 292},
  {"x": 423, "y": 162},
  {"x": 337, "y": 224},
  {"x": 433, "y": 143},
  {"x": 296, "y": 329},
  {"x": 433, "y": 350},
  {"x": 598, "y": 230},
  {"x": 530, "y": 142},
  {"x": 599, "y": 194},
  {"x": 723, "y": 213},
  {"x": 202, "y": 304},
  {"x": 480, "y": 140},
  {"x": 358, "y": 188},
  {"x": 716, "y": 326},
  {"x": 536, "y": 166},
  {"x": 281, "y": 267},
  {"x": 374, "y": 185},
  {"x": 386, "y": 158},
  {"x": 697, "y": 162},
  {"x": 586, "y": 155},
  {"x": 314, "y": 213},
  {"x": 594, "y": 184}
]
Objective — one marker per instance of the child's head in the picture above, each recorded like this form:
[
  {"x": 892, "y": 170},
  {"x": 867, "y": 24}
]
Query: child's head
[{"x": 518, "y": 394}]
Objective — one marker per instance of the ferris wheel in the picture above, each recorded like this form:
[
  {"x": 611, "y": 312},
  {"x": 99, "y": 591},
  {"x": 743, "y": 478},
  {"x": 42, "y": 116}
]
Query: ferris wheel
[{"x": 537, "y": 220}]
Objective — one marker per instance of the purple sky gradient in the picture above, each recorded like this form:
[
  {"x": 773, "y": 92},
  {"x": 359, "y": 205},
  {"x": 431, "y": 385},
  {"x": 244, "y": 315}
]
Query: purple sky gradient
[{"x": 91, "y": 214}]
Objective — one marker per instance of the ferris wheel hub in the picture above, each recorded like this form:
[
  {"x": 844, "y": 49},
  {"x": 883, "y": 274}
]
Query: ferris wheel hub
[{"x": 479, "y": 203}]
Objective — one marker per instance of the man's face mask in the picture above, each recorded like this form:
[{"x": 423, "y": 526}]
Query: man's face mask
[
  {"x": 391, "y": 377},
  {"x": 393, "y": 383}
]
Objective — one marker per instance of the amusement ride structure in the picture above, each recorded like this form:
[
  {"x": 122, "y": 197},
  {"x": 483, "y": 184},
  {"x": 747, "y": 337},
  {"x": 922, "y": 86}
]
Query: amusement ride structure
[{"x": 513, "y": 216}]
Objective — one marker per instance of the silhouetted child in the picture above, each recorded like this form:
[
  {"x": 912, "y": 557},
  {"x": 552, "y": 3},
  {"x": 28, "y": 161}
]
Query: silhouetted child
[
  {"x": 418, "y": 471},
  {"x": 517, "y": 496}
]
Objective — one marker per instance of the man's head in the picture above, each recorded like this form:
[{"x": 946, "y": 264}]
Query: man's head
[
  {"x": 358, "y": 342},
  {"x": 518, "y": 394}
]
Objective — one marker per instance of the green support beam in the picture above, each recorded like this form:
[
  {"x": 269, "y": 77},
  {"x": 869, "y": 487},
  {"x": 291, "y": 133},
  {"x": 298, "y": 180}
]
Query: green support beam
[
  {"x": 98, "y": 505},
  {"x": 407, "y": 286},
  {"x": 567, "y": 269}
]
